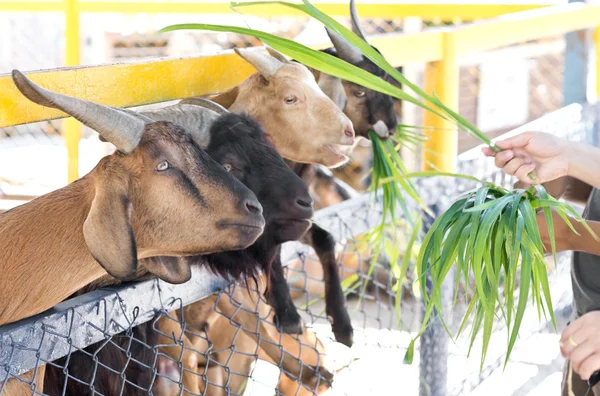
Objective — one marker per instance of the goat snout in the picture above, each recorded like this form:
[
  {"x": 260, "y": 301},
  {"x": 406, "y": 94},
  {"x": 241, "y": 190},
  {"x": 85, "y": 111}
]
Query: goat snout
[
  {"x": 253, "y": 206},
  {"x": 382, "y": 130},
  {"x": 349, "y": 134},
  {"x": 304, "y": 204}
]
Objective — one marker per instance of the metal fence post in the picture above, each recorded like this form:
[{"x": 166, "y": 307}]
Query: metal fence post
[
  {"x": 442, "y": 153},
  {"x": 72, "y": 127}
]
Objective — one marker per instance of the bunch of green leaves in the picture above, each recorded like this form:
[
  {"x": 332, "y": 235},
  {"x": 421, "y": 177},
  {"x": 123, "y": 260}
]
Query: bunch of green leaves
[{"x": 488, "y": 234}]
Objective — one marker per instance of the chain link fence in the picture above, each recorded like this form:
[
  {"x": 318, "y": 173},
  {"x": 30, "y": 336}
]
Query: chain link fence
[{"x": 211, "y": 338}]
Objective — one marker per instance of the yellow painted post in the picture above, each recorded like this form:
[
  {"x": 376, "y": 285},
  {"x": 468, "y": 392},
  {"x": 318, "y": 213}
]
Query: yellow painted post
[
  {"x": 72, "y": 127},
  {"x": 442, "y": 77},
  {"x": 597, "y": 46}
]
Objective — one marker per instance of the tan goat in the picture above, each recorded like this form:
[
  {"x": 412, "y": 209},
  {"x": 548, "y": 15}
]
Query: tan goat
[
  {"x": 159, "y": 194},
  {"x": 299, "y": 119}
]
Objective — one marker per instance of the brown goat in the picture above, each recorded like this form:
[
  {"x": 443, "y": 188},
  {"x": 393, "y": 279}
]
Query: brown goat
[
  {"x": 159, "y": 194},
  {"x": 299, "y": 119}
]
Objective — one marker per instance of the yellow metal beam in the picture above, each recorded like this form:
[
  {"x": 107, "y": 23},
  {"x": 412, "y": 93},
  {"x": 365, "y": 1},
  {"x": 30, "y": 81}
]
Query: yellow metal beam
[
  {"x": 444, "y": 11},
  {"x": 125, "y": 85},
  {"x": 524, "y": 26}
]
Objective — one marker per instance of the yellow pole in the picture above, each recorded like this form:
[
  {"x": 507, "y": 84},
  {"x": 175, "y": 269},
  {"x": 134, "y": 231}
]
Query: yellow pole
[
  {"x": 597, "y": 46},
  {"x": 72, "y": 127},
  {"x": 442, "y": 77}
]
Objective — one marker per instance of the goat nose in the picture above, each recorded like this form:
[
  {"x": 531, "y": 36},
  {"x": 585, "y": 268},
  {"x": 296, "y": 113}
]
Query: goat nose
[
  {"x": 381, "y": 129},
  {"x": 348, "y": 133},
  {"x": 253, "y": 206},
  {"x": 304, "y": 203}
]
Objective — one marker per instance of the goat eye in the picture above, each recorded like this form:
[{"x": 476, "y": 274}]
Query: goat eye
[
  {"x": 162, "y": 166},
  {"x": 290, "y": 100},
  {"x": 228, "y": 167},
  {"x": 360, "y": 94}
]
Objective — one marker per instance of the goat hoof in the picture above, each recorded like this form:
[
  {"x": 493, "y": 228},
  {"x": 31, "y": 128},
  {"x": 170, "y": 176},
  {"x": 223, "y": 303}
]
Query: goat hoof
[
  {"x": 342, "y": 329},
  {"x": 317, "y": 377},
  {"x": 345, "y": 337},
  {"x": 289, "y": 325}
]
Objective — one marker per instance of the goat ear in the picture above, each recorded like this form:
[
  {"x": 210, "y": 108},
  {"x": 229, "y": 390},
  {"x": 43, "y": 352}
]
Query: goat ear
[
  {"x": 175, "y": 270},
  {"x": 227, "y": 98},
  {"x": 108, "y": 231}
]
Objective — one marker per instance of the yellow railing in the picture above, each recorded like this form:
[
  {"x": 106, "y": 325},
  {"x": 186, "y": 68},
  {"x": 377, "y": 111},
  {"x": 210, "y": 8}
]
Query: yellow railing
[{"x": 156, "y": 81}]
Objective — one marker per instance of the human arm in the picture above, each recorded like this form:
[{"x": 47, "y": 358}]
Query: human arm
[{"x": 566, "y": 239}]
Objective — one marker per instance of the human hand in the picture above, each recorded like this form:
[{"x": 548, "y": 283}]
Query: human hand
[
  {"x": 580, "y": 344},
  {"x": 541, "y": 153}
]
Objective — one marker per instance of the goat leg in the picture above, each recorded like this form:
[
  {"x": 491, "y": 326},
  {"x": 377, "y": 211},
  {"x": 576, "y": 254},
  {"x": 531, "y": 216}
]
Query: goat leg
[
  {"x": 278, "y": 296},
  {"x": 250, "y": 321},
  {"x": 335, "y": 301}
]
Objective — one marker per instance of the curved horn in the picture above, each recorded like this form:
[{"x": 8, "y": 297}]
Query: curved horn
[
  {"x": 344, "y": 49},
  {"x": 206, "y": 103},
  {"x": 277, "y": 55},
  {"x": 266, "y": 65},
  {"x": 195, "y": 119},
  {"x": 355, "y": 22},
  {"x": 116, "y": 126}
]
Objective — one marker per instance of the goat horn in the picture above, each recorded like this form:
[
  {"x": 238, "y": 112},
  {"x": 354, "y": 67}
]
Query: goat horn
[
  {"x": 195, "y": 119},
  {"x": 354, "y": 21},
  {"x": 120, "y": 127},
  {"x": 266, "y": 65},
  {"x": 344, "y": 49},
  {"x": 277, "y": 55},
  {"x": 206, "y": 103}
]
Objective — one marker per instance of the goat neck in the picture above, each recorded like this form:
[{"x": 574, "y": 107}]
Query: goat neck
[{"x": 56, "y": 263}]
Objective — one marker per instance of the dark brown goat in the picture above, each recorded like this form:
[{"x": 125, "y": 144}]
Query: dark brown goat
[
  {"x": 159, "y": 194},
  {"x": 366, "y": 108}
]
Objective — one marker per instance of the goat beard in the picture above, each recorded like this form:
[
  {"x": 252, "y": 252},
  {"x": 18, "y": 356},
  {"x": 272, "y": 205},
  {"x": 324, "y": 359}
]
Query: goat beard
[{"x": 247, "y": 264}]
